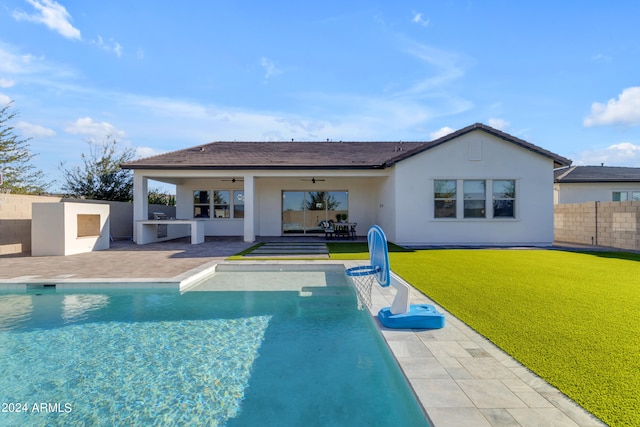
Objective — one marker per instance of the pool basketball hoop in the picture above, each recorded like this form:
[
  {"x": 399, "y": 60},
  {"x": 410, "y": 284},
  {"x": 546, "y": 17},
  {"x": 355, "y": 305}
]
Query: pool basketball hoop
[{"x": 401, "y": 314}]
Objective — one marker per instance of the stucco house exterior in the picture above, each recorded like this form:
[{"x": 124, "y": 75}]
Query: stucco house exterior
[
  {"x": 475, "y": 186},
  {"x": 580, "y": 184}
]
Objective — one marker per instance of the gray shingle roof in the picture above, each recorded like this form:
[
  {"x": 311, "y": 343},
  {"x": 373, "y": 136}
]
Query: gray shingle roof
[
  {"x": 578, "y": 174},
  {"x": 311, "y": 155}
]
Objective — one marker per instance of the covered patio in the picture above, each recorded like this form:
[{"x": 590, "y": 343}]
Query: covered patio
[{"x": 261, "y": 203}]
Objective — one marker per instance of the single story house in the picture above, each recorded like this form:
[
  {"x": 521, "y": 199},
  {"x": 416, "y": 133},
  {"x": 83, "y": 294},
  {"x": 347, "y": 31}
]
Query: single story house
[
  {"x": 580, "y": 184},
  {"x": 475, "y": 186}
]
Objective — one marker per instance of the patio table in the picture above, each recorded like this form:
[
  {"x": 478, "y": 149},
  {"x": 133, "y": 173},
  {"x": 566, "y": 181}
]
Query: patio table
[{"x": 345, "y": 230}]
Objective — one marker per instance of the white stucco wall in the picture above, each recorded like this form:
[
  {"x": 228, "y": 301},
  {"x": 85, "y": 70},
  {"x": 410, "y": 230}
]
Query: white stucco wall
[
  {"x": 399, "y": 198},
  {"x": 213, "y": 226},
  {"x": 364, "y": 198},
  {"x": 414, "y": 177},
  {"x": 590, "y": 192},
  {"x": 54, "y": 228}
]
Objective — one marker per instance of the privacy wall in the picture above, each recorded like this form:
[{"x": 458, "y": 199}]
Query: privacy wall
[{"x": 609, "y": 224}]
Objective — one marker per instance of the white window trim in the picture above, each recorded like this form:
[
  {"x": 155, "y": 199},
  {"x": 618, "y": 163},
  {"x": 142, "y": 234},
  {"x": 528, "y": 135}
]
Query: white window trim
[
  {"x": 212, "y": 203},
  {"x": 488, "y": 200}
]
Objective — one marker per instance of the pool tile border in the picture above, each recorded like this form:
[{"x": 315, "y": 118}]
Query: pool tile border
[{"x": 462, "y": 379}]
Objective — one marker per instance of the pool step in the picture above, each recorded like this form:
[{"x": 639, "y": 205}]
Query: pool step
[
  {"x": 280, "y": 249},
  {"x": 325, "y": 291}
]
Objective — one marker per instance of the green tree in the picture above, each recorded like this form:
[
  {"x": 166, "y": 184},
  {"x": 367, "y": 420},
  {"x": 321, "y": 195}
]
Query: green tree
[
  {"x": 317, "y": 200},
  {"x": 161, "y": 197},
  {"x": 18, "y": 173},
  {"x": 100, "y": 176}
]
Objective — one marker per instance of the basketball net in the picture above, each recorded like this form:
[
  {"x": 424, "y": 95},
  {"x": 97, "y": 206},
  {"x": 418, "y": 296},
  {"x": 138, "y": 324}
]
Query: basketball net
[{"x": 363, "y": 286}]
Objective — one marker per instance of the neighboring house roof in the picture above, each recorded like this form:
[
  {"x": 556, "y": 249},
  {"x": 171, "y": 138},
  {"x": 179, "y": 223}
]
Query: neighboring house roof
[
  {"x": 586, "y": 174},
  {"x": 313, "y": 155}
]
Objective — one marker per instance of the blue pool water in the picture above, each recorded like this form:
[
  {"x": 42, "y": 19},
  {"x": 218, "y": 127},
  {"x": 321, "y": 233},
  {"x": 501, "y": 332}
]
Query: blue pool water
[{"x": 209, "y": 358}]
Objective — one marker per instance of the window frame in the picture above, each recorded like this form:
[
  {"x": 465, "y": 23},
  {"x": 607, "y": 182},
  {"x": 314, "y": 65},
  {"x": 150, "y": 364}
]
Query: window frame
[
  {"x": 495, "y": 199},
  {"x": 200, "y": 204},
  {"x": 446, "y": 200},
  {"x": 625, "y": 195},
  {"x": 231, "y": 209},
  {"x": 474, "y": 197},
  {"x": 489, "y": 200}
]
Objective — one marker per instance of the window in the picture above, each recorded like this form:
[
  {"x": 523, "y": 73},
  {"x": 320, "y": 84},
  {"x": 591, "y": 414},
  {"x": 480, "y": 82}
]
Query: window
[
  {"x": 474, "y": 198},
  {"x": 623, "y": 196},
  {"x": 201, "y": 203},
  {"x": 238, "y": 204},
  {"x": 475, "y": 202},
  {"x": 504, "y": 197},
  {"x": 444, "y": 191},
  {"x": 221, "y": 203},
  {"x": 619, "y": 196}
]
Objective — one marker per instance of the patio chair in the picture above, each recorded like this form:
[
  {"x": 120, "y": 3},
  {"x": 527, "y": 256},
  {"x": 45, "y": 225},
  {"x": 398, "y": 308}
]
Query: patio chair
[
  {"x": 352, "y": 230},
  {"x": 329, "y": 231}
]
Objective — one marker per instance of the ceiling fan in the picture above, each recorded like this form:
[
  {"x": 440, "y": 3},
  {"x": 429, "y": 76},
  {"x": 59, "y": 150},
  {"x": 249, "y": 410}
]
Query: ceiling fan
[
  {"x": 313, "y": 180},
  {"x": 233, "y": 180}
]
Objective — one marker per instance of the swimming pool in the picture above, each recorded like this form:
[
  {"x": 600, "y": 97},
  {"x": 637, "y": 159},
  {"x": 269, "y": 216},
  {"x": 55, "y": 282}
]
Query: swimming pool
[{"x": 263, "y": 347}]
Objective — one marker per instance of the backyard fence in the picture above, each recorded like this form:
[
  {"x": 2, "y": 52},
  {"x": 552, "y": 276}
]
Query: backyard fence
[
  {"x": 16, "y": 214},
  {"x": 607, "y": 224}
]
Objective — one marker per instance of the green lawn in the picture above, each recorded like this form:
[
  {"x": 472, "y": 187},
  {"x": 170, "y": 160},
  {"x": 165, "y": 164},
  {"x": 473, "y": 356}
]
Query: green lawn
[{"x": 572, "y": 318}]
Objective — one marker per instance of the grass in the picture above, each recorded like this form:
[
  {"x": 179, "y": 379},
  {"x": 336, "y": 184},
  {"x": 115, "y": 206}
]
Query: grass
[
  {"x": 356, "y": 250},
  {"x": 572, "y": 318}
]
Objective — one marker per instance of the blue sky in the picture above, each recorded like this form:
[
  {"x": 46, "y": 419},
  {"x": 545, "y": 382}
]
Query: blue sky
[{"x": 162, "y": 76}]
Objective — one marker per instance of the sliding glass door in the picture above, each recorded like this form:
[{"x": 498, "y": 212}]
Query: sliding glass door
[{"x": 304, "y": 211}]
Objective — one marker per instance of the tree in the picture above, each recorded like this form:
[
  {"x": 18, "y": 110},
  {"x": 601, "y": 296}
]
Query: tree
[
  {"x": 161, "y": 197},
  {"x": 100, "y": 176},
  {"x": 18, "y": 174},
  {"x": 318, "y": 200}
]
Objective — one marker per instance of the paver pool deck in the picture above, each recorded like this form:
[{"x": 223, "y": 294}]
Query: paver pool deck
[{"x": 460, "y": 377}]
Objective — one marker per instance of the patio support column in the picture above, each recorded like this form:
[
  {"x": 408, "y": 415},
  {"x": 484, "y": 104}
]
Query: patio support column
[
  {"x": 249, "y": 208},
  {"x": 140, "y": 199}
]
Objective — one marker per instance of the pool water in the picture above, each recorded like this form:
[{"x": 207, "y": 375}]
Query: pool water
[{"x": 299, "y": 355}]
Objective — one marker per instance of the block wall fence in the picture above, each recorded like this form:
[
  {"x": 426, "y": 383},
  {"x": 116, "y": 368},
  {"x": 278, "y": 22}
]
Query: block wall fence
[{"x": 607, "y": 224}]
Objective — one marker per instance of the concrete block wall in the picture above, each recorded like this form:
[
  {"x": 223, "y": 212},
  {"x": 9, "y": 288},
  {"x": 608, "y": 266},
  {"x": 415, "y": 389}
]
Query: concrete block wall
[{"x": 610, "y": 224}]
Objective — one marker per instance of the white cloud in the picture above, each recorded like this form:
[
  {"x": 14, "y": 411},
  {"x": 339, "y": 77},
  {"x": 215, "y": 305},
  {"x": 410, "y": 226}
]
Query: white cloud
[
  {"x": 270, "y": 68},
  {"x": 624, "y": 110},
  {"x": 419, "y": 19},
  {"x": 51, "y": 14},
  {"x": 140, "y": 54},
  {"x": 13, "y": 63},
  {"x": 600, "y": 57},
  {"x": 447, "y": 68},
  {"x": 30, "y": 130},
  {"x": 4, "y": 100},
  {"x": 441, "y": 132},
  {"x": 110, "y": 46},
  {"x": 141, "y": 152},
  {"x": 499, "y": 124},
  {"x": 623, "y": 154},
  {"x": 86, "y": 126},
  {"x": 5, "y": 83}
]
